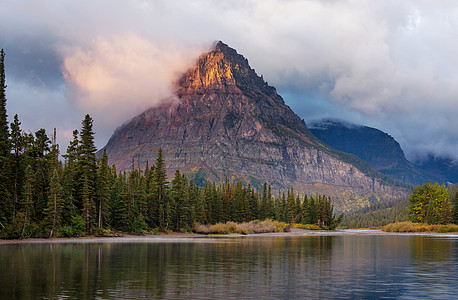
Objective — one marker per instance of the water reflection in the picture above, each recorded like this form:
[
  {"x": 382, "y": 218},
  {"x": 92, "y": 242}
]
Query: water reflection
[{"x": 254, "y": 267}]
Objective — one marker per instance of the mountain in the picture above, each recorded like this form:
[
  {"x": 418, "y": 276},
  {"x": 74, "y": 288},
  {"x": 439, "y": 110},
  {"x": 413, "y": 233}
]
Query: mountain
[
  {"x": 443, "y": 169},
  {"x": 228, "y": 122},
  {"x": 381, "y": 151}
]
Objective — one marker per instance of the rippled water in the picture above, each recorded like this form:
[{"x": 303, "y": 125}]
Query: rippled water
[{"x": 407, "y": 267}]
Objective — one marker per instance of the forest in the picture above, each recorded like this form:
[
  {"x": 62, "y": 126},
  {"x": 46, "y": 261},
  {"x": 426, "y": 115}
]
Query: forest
[
  {"x": 46, "y": 194},
  {"x": 429, "y": 203}
]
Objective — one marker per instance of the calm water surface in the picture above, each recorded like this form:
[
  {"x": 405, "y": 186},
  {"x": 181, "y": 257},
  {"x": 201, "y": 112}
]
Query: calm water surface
[{"x": 368, "y": 267}]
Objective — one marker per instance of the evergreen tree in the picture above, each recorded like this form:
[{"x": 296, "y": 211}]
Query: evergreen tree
[
  {"x": 55, "y": 204},
  {"x": 253, "y": 204},
  {"x": 270, "y": 203},
  {"x": 69, "y": 180},
  {"x": 6, "y": 205},
  {"x": 306, "y": 208},
  {"x": 181, "y": 204},
  {"x": 313, "y": 211},
  {"x": 103, "y": 190},
  {"x": 87, "y": 172},
  {"x": 88, "y": 209},
  {"x": 17, "y": 170},
  {"x": 291, "y": 206},
  {"x": 26, "y": 203},
  {"x": 40, "y": 149},
  {"x": 264, "y": 205},
  {"x": 454, "y": 216},
  {"x": 226, "y": 201},
  {"x": 4, "y": 132},
  {"x": 158, "y": 191}
]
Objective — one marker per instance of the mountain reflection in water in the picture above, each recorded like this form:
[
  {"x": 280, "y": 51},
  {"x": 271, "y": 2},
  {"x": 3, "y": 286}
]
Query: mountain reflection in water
[{"x": 251, "y": 267}]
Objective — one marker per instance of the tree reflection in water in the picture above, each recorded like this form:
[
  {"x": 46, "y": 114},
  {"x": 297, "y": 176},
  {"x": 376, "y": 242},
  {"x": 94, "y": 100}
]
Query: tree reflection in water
[{"x": 249, "y": 267}]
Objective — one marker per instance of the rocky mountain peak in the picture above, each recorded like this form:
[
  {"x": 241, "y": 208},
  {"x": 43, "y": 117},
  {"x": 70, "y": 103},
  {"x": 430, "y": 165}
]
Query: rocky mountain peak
[
  {"x": 222, "y": 70},
  {"x": 229, "y": 123}
]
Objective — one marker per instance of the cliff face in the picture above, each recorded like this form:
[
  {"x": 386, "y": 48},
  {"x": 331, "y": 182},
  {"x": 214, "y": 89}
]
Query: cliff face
[
  {"x": 381, "y": 151},
  {"x": 229, "y": 122}
]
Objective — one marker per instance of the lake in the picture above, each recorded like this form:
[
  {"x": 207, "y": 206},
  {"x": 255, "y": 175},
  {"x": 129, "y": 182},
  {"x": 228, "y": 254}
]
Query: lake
[{"x": 283, "y": 267}]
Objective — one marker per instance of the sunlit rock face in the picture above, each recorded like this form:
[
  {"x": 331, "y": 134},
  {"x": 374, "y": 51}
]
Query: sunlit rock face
[{"x": 230, "y": 123}]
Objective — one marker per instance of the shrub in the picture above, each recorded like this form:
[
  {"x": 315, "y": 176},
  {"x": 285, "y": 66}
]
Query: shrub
[
  {"x": 198, "y": 228},
  {"x": 66, "y": 231},
  {"x": 418, "y": 227},
  {"x": 231, "y": 226},
  {"x": 102, "y": 232},
  {"x": 242, "y": 228},
  {"x": 219, "y": 228},
  {"x": 448, "y": 228},
  {"x": 78, "y": 226},
  {"x": 139, "y": 225}
]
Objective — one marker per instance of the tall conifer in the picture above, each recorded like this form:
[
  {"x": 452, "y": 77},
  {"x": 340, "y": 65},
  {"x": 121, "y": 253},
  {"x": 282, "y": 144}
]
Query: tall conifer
[
  {"x": 6, "y": 207},
  {"x": 26, "y": 200},
  {"x": 87, "y": 172},
  {"x": 55, "y": 203},
  {"x": 159, "y": 190},
  {"x": 103, "y": 190},
  {"x": 4, "y": 132}
]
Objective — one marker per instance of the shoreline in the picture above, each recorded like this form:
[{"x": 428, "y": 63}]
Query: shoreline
[{"x": 194, "y": 237}]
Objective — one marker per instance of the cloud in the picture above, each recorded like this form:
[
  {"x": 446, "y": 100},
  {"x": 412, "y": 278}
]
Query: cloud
[
  {"x": 386, "y": 64},
  {"x": 40, "y": 107},
  {"x": 118, "y": 77}
]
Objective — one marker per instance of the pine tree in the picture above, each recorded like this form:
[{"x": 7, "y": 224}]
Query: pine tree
[
  {"x": 177, "y": 197},
  {"x": 103, "y": 190},
  {"x": 158, "y": 191},
  {"x": 263, "y": 207},
  {"x": 270, "y": 203},
  {"x": 207, "y": 199},
  {"x": 69, "y": 180},
  {"x": 226, "y": 199},
  {"x": 141, "y": 197},
  {"x": 87, "y": 172},
  {"x": 254, "y": 205},
  {"x": 16, "y": 165},
  {"x": 455, "y": 208},
  {"x": 55, "y": 204},
  {"x": 88, "y": 209},
  {"x": 43, "y": 173},
  {"x": 291, "y": 206},
  {"x": 6, "y": 205},
  {"x": 5, "y": 146},
  {"x": 306, "y": 208},
  {"x": 313, "y": 211},
  {"x": 26, "y": 203},
  {"x": 215, "y": 204}
]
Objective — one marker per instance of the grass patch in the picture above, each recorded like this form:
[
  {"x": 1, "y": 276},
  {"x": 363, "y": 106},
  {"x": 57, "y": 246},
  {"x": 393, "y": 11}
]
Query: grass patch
[
  {"x": 256, "y": 226},
  {"x": 419, "y": 227}
]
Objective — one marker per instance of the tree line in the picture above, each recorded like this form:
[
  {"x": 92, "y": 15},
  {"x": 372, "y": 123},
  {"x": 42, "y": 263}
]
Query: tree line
[
  {"x": 41, "y": 195},
  {"x": 377, "y": 214}
]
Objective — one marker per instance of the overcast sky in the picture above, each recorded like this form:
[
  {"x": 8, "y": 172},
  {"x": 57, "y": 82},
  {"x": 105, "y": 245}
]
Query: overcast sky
[{"x": 392, "y": 65}]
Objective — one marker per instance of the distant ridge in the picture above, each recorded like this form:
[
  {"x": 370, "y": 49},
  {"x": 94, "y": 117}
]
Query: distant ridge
[{"x": 380, "y": 150}]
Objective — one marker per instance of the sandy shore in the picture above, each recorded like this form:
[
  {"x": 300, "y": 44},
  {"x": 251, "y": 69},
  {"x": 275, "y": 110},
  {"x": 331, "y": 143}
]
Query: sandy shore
[{"x": 190, "y": 237}]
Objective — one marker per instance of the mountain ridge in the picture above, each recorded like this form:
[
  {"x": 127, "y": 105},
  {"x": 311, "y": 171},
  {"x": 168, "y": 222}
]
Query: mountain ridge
[{"x": 380, "y": 150}]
